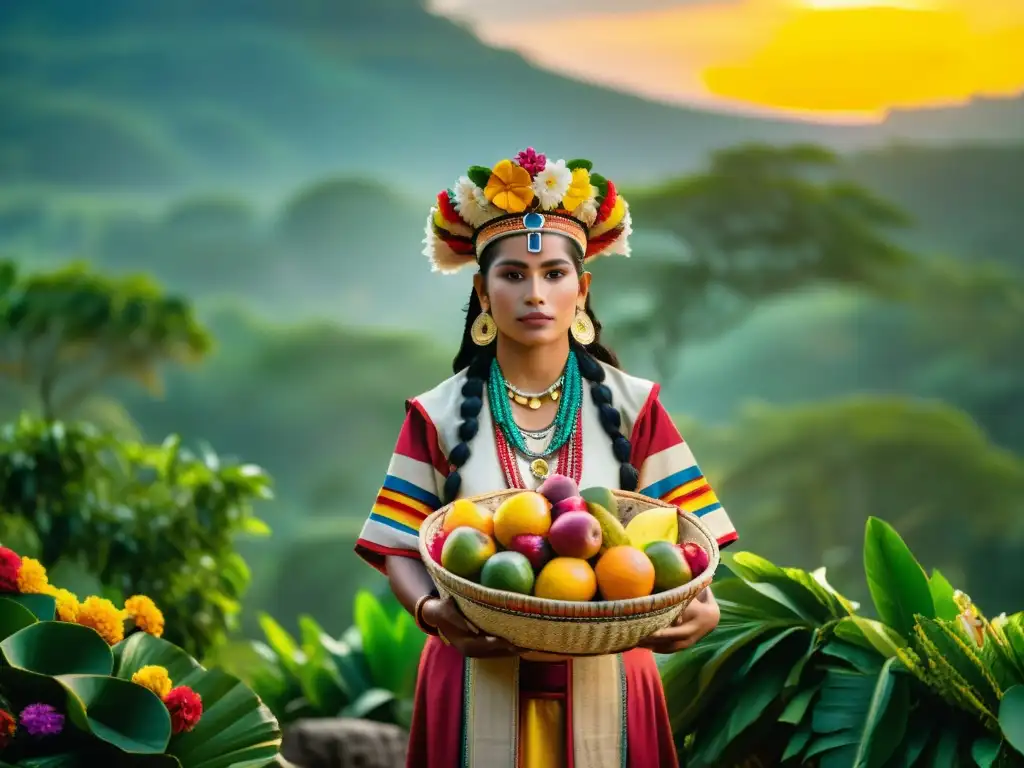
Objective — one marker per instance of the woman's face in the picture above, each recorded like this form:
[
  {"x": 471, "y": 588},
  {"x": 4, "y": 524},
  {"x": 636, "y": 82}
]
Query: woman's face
[{"x": 533, "y": 297}]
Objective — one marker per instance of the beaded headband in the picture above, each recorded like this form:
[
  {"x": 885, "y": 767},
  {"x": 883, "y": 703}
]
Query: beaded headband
[{"x": 528, "y": 195}]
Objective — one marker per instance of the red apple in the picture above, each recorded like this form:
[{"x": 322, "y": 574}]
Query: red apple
[
  {"x": 576, "y": 534},
  {"x": 436, "y": 545},
  {"x": 534, "y": 547},
  {"x": 571, "y": 504},
  {"x": 696, "y": 557}
]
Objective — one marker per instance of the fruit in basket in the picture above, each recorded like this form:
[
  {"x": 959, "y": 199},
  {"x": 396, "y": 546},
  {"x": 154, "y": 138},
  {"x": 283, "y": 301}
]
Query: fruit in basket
[
  {"x": 623, "y": 573},
  {"x": 534, "y": 547},
  {"x": 670, "y": 567},
  {"x": 576, "y": 534},
  {"x": 508, "y": 571},
  {"x": 465, "y": 551},
  {"x": 525, "y": 512},
  {"x": 612, "y": 532},
  {"x": 655, "y": 524},
  {"x": 436, "y": 546},
  {"x": 466, "y": 512},
  {"x": 603, "y": 496},
  {"x": 566, "y": 578},
  {"x": 696, "y": 557},
  {"x": 571, "y": 504},
  {"x": 557, "y": 487}
]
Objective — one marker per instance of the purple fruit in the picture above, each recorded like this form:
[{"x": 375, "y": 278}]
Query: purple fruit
[
  {"x": 571, "y": 504},
  {"x": 558, "y": 487},
  {"x": 534, "y": 547},
  {"x": 576, "y": 534}
]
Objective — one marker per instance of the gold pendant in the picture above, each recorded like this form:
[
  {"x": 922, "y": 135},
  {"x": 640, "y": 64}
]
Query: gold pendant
[
  {"x": 539, "y": 467},
  {"x": 555, "y": 395},
  {"x": 534, "y": 403},
  {"x": 520, "y": 399}
]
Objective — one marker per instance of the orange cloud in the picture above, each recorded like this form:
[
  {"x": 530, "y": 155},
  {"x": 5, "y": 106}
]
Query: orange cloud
[{"x": 840, "y": 58}]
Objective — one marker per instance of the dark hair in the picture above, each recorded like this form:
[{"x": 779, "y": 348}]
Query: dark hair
[{"x": 478, "y": 360}]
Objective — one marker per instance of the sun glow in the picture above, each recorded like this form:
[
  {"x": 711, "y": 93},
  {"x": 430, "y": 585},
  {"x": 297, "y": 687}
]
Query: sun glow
[{"x": 843, "y": 60}]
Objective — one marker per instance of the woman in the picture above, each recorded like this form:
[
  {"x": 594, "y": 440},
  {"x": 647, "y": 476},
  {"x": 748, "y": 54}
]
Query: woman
[{"x": 516, "y": 410}]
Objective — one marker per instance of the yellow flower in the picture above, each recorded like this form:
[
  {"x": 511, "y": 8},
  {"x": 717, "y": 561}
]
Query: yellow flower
[
  {"x": 32, "y": 578},
  {"x": 147, "y": 616},
  {"x": 100, "y": 614},
  {"x": 509, "y": 187},
  {"x": 67, "y": 603},
  {"x": 155, "y": 678},
  {"x": 580, "y": 190}
]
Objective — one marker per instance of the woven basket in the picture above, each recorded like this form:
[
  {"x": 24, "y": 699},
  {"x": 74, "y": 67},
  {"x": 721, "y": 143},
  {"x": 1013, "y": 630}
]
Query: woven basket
[{"x": 571, "y": 628}]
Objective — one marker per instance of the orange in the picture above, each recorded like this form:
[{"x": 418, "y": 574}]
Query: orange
[
  {"x": 566, "y": 578},
  {"x": 466, "y": 513},
  {"x": 624, "y": 572},
  {"x": 525, "y": 512}
]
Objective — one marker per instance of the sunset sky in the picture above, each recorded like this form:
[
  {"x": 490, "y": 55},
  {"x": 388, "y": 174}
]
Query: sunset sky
[{"x": 823, "y": 59}]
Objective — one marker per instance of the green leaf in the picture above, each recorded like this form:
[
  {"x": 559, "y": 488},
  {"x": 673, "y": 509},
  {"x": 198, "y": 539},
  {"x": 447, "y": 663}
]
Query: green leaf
[
  {"x": 572, "y": 165},
  {"x": 370, "y": 704},
  {"x": 235, "y": 728},
  {"x": 870, "y": 634},
  {"x": 797, "y": 742},
  {"x": 43, "y": 606},
  {"x": 58, "y": 648},
  {"x": 898, "y": 584},
  {"x": 815, "y": 605},
  {"x": 1011, "y": 717},
  {"x": 984, "y": 751},
  {"x": 14, "y": 617},
  {"x": 479, "y": 175},
  {"x": 283, "y": 644},
  {"x": 950, "y": 651},
  {"x": 885, "y": 721},
  {"x": 320, "y": 681},
  {"x": 942, "y": 596},
  {"x": 863, "y": 660},
  {"x": 601, "y": 183},
  {"x": 378, "y": 643},
  {"x": 118, "y": 712},
  {"x": 798, "y": 706},
  {"x": 255, "y": 527}
]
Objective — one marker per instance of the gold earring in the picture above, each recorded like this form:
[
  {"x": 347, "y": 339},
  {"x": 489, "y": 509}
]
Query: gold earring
[
  {"x": 484, "y": 329},
  {"x": 583, "y": 328}
]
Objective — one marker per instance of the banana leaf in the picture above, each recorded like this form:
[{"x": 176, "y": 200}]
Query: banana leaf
[
  {"x": 13, "y": 617},
  {"x": 897, "y": 582},
  {"x": 235, "y": 729},
  {"x": 1011, "y": 717}
]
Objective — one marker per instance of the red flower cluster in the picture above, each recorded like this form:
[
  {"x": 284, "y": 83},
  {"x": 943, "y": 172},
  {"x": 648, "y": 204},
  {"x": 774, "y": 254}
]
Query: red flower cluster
[
  {"x": 10, "y": 566},
  {"x": 185, "y": 706},
  {"x": 8, "y": 727}
]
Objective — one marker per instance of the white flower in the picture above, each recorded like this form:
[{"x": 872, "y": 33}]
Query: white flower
[
  {"x": 471, "y": 203},
  {"x": 587, "y": 211},
  {"x": 551, "y": 184}
]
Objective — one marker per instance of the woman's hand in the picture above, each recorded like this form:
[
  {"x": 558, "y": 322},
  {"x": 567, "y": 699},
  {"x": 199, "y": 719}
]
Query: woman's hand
[
  {"x": 696, "y": 620},
  {"x": 444, "y": 615}
]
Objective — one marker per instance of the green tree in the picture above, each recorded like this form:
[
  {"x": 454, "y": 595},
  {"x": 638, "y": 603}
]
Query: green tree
[
  {"x": 66, "y": 333},
  {"x": 759, "y": 222}
]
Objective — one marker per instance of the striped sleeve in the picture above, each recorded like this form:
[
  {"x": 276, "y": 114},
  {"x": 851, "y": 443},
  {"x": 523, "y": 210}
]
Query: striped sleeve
[
  {"x": 410, "y": 492},
  {"x": 669, "y": 472}
]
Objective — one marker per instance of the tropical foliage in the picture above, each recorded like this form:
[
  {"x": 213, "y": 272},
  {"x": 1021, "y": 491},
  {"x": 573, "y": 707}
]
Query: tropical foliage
[
  {"x": 123, "y": 517},
  {"x": 369, "y": 672},
  {"x": 75, "y": 691},
  {"x": 796, "y": 676}
]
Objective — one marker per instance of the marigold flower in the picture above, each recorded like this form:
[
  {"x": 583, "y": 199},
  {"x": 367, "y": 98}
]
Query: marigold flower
[
  {"x": 8, "y": 727},
  {"x": 580, "y": 190},
  {"x": 10, "y": 564},
  {"x": 186, "y": 708},
  {"x": 32, "y": 578},
  {"x": 100, "y": 614},
  {"x": 147, "y": 616},
  {"x": 41, "y": 720},
  {"x": 155, "y": 678},
  {"x": 67, "y": 602},
  {"x": 509, "y": 187}
]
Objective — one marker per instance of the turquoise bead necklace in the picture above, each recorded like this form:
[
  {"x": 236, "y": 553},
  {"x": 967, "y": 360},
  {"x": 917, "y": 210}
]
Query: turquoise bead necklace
[{"x": 564, "y": 424}]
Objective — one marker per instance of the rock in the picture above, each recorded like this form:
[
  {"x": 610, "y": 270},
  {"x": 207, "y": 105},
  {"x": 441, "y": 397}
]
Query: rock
[{"x": 344, "y": 743}]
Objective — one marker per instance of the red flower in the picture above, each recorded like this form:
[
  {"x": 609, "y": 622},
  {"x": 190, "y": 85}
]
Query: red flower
[
  {"x": 8, "y": 726},
  {"x": 10, "y": 565},
  {"x": 607, "y": 204},
  {"x": 444, "y": 203},
  {"x": 185, "y": 706}
]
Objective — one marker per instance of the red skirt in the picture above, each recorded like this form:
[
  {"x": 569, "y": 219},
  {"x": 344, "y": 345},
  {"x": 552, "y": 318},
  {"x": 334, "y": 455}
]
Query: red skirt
[{"x": 435, "y": 740}]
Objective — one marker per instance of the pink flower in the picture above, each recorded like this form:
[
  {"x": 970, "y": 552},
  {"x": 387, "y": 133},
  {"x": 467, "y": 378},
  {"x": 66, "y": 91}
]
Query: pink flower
[{"x": 532, "y": 162}]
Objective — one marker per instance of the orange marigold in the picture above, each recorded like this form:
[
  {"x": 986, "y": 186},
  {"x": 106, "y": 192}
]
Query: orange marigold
[
  {"x": 147, "y": 616},
  {"x": 100, "y": 614},
  {"x": 32, "y": 578},
  {"x": 155, "y": 678},
  {"x": 67, "y": 603}
]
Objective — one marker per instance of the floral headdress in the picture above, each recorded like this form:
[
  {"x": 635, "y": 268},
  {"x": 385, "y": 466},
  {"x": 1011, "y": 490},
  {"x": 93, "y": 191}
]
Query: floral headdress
[{"x": 530, "y": 195}]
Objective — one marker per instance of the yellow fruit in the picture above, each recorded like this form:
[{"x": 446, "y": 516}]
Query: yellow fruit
[
  {"x": 526, "y": 512},
  {"x": 655, "y": 524},
  {"x": 624, "y": 573},
  {"x": 566, "y": 578},
  {"x": 466, "y": 513},
  {"x": 613, "y": 533}
]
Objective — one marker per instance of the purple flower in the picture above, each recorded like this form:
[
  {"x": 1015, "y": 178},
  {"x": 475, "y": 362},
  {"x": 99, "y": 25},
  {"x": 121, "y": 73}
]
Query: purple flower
[
  {"x": 532, "y": 162},
  {"x": 41, "y": 720}
]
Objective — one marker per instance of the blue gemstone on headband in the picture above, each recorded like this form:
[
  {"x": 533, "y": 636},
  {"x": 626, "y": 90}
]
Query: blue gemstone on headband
[
  {"x": 533, "y": 220},
  {"x": 533, "y": 242}
]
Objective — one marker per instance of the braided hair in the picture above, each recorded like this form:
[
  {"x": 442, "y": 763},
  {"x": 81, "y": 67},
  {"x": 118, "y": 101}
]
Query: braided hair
[{"x": 478, "y": 361}]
